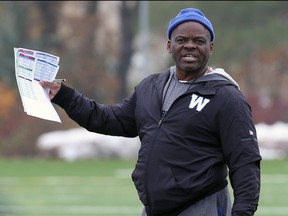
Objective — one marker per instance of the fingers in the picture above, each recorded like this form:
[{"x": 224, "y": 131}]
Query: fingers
[
  {"x": 45, "y": 84},
  {"x": 53, "y": 86}
]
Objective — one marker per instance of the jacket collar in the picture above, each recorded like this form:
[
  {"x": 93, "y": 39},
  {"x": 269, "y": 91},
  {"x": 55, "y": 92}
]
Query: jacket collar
[{"x": 204, "y": 85}]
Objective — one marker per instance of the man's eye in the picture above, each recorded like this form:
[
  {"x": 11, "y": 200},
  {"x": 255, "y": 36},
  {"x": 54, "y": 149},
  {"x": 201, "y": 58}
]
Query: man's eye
[
  {"x": 180, "y": 40},
  {"x": 200, "y": 42}
]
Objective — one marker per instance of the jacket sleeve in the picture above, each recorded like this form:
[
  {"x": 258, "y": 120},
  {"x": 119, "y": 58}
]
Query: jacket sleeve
[
  {"x": 241, "y": 152},
  {"x": 117, "y": 120}
]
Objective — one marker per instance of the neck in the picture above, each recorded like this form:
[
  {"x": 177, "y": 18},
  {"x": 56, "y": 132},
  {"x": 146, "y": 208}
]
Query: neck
[{"x": 182, "y": 76}]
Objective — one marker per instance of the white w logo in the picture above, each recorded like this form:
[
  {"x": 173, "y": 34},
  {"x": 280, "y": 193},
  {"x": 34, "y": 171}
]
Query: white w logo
[{"x": 198, "y": 101}]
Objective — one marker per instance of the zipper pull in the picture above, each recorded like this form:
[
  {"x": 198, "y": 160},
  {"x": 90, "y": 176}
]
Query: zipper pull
[
  {"x": 159, "y": 123},
  {"x": 162, "y": 117}
]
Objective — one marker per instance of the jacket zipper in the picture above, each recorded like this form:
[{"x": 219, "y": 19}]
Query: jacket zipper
[
  {"x": 160, "y": 121},
  {"x": 148, "y": 168},
  {"x": 163, "y": 114}
]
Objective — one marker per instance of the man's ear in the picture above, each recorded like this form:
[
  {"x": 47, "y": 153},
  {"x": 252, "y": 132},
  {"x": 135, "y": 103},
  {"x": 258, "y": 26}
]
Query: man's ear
[
  {"x": 211, "y": 48},
  {"x": 169, "y": 46}
]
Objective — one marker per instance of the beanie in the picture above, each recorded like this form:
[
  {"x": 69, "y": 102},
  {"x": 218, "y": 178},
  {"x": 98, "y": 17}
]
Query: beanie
[{"x": 190, "y": 14}]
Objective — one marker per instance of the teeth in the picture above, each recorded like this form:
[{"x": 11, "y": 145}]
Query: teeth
[{"x": 189, "y": 57}]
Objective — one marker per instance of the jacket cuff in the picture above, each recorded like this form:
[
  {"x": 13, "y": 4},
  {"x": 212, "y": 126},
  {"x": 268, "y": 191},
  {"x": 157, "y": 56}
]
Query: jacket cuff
[
  {"x": 244, "y": 209},
  {"x": 64, "y": 96},
  {"x": 236, "y": 214}
]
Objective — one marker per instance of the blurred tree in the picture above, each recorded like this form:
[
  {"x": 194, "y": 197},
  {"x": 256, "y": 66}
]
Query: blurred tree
[
  {"x": 48, "y": 13},
  {"x": 99, "y": 48},
  {"x": 8, "y": 37},
  {"x": 8, "y": 101},
  {"x": 82, "y": 29},
  {"x": 91, "y": 10},
  {"x": 126, "y": 51},
  {"x": 31, "y": 24}
]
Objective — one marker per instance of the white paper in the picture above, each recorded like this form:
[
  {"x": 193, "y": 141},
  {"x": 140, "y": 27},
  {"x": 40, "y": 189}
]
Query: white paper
[{"x": 30, "y": 67}]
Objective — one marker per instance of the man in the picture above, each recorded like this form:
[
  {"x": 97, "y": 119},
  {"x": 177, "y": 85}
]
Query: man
[{"x": 195, "y": 128}]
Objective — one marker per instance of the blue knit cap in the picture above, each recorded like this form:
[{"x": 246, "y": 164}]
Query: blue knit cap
[{"x": 190, "y": 14}]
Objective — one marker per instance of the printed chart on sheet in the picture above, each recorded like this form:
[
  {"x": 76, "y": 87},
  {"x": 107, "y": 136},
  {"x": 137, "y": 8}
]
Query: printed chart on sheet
[{"x": 30, "y": 67}]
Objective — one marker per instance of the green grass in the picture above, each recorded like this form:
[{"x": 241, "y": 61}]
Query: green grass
[
  {"x": 102, "y": 188},
  {"x": 46, "y": 188}
]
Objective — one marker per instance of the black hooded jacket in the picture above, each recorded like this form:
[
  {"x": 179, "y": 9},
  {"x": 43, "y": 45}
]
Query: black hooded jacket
[{"x": 186, "y": 155}]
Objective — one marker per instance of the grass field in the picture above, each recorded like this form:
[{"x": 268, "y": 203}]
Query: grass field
[{"x": 102, "y": 188}]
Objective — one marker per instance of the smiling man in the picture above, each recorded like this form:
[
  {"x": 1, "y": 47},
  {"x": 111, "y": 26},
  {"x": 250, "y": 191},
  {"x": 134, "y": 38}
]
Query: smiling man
[{"x": 195, "y": 127}]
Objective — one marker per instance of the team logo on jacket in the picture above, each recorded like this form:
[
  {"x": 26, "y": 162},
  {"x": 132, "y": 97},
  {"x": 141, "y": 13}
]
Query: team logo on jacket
[{"x": 198, "y": 101}]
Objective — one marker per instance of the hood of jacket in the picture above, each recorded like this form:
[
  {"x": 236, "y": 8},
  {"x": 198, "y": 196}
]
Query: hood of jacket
[{"x": 218, "y": 74}]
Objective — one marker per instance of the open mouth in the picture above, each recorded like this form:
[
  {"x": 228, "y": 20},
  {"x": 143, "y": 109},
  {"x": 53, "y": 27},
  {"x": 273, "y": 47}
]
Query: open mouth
[{"x": 189, "y": 58}]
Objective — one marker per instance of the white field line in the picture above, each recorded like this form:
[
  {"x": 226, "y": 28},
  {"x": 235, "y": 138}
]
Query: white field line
[
  {"x": 115, "y": 210},
  {"x": 119, "y": 174},
  {"x": 275, "y": 210},
  {"x": 275, "y": 179},
  {"x": 125, "y": 173},
  {"x": 75, "y": 210},
  {"x": 122, "y": 174}
]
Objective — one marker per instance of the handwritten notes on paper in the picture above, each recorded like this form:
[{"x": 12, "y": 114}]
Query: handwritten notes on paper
[{"x": 30, "y": 67}]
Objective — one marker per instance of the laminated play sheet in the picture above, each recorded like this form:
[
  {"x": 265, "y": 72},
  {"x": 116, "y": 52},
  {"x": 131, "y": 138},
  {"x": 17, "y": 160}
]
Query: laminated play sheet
[{"x": 30, "y": 67}]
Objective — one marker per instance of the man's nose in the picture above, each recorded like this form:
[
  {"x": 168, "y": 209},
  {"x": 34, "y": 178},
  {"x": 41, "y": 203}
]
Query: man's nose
[{"x": 190, "y": 44}]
